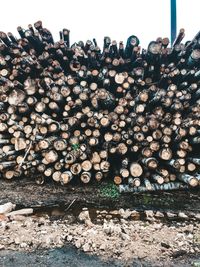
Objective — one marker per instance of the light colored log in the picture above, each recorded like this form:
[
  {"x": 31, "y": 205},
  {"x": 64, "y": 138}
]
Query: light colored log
[
  {"x": 188, "y": 179},
  {"x": 7, "y": 207},
  {"x": 56, "y": 176},
  {"x": 66, "y": 177},
  {"x": 51, "y": 156},
  {"x": 16, "y": 97},
  {"x": 165, "y": 153},
  {"x": 85, "y": 177},
  {"x": 76, "y": 168},
  {"x": 136, "y": 169},
  {"x": 20, "y": 212},
  {"x": 86, "y": 165}
]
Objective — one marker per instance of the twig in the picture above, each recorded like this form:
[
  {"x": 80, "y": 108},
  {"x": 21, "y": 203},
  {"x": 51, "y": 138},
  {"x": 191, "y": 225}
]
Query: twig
[
  {"x": 70, "y": 204},
  {"x": 25, "y": 154}
]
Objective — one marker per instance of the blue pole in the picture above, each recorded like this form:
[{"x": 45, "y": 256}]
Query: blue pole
[{"x": 173, "y": 20}]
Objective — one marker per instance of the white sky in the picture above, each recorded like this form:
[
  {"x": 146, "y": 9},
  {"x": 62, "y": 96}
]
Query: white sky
[{"x": 86, "y": 19}]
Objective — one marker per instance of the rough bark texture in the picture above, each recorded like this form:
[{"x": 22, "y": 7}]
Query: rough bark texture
[{"x": 76, "y": 113}]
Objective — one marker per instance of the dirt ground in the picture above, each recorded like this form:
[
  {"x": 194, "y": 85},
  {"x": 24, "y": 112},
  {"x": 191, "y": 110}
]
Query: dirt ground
[
  {"x": 123, "y": 241},
  {"x": 26, "y": 193},
  {"x": 76, "y": 227}
]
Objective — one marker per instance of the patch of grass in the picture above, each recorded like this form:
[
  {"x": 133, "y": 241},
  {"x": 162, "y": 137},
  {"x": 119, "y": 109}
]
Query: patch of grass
[
  {"x": 147, "y": 199},
  {"x": 75, "y": 146},
  {"x": 109, "y": 190}
]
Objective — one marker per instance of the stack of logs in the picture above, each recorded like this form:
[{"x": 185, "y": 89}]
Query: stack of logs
[{"x": 123, "y": 113}]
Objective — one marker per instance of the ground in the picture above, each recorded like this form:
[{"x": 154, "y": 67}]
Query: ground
[{"x": 83, "y": 226}]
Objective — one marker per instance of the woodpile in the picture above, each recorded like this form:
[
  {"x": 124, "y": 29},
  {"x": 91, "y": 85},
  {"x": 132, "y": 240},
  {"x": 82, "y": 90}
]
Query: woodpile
[{"x": 74, "y": 112}]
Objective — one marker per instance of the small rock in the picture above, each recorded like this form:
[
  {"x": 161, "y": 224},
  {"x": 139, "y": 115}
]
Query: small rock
[
  {"x": 114, "y": 212},
  {"x": 121, "y": 211},
  {"x": 4, "y": 225},
  {"x": 78, "y": 243},
  {"x": 123, "y": 221},
  {"x": 41, "y": 221},
  {"x": 111, "y": 228},
  {"x": 159, "y": 214},
  {"x": 171, "y": 215},
  {"x": 124, "y": 236},
  {"x": 180, "y": 235},
  {"x": 182, "y": 215},
  {"x": 192, "y": 250},
  {"x": 89, "y": 223},
  {"x": 2, "y": 247},
  {"x": 197, "y": 216},
  {"x": 28, "y": 223},
  {"x": 158, "y": 226},
  {"x": 17, "y": 241},
  {"x": 102, "y": 246},
  {"x": 165, "y": 244},
  {"x": 69, "y": 238},
  {"x": 86, "y": 247},
  {"x": 135, "y": 215},
  {"x": 107, "y": 228},
  {"x": 57, "y": 240},
  {"x": 125, "y": 214},
  {"x": 43, "y": 232},
  {"x": 190, "y": 236},
  {"x": 103, "y": 212},
  {"x": 149, "y": 215},
  {"x": 108, "y": 216},
  {"x": 23, "y": 245},
  {"x": 47, "y": 240},
  {"x": 117, "y": 229},
  {"x": 189, "y": 228},
  {"x": 94, "y": 246},
  {"x": 181, "y": 244},
  {"x": 84, "y": 216}
]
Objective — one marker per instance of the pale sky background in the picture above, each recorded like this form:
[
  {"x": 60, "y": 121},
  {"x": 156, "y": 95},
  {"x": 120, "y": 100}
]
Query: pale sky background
[{"x": 86, "y": 19}]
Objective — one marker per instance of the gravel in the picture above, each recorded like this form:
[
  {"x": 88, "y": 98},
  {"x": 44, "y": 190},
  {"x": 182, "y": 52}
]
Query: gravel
[{"x": 119, "y": 239}]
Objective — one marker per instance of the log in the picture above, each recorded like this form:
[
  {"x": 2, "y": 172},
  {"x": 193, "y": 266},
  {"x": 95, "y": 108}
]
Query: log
[
  {"x": 66, "y": 177},
  {"x": 188, "y": 179},
  {"x": 85, "y": 177},
  {"x": 136, "y": 169},
  {"x": 72, "y": 110},
  {"x": 168, "y": 186},
  {"x": 135, "y": 182},
  {"x": 20, "y": 212}
]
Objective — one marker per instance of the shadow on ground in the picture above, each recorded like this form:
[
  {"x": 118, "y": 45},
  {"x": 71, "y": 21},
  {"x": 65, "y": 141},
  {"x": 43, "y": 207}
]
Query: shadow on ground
[
  {"x": 59, "y": 257},
  {"x": 69, "y": 256}
]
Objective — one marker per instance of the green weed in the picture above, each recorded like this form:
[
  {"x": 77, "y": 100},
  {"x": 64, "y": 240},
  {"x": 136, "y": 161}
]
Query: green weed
[{"x": 109, "y": 190}]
